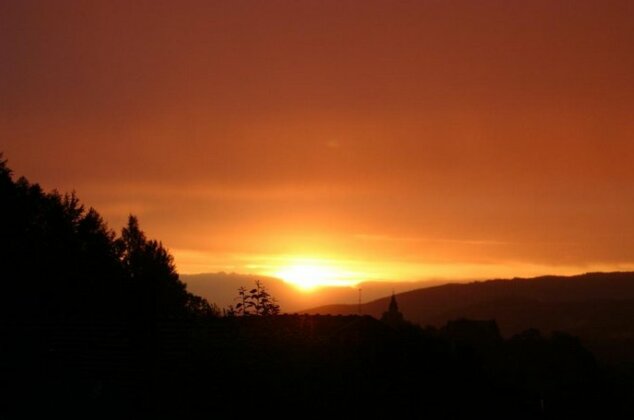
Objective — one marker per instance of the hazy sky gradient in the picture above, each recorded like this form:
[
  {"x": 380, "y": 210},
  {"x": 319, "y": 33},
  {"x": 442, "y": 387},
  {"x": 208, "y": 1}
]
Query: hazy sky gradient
[{"x": 402, "y": 140}]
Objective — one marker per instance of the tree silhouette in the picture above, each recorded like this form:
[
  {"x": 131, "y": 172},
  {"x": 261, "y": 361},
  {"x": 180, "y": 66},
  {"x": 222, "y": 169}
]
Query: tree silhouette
[
  {"x": 154, "y": 278},
  {"x": 61, "y": 262},
  {"x": 257, "y": 301},
  {"x": 263, "y": 303}
]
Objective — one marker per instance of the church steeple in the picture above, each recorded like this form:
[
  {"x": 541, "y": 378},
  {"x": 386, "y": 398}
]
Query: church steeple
[{"x": 393, "y": 317}]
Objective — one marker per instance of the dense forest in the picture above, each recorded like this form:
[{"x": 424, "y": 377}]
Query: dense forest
[
  {"x": 95, "y": 324},
  {"x": 60, "y": 262}
]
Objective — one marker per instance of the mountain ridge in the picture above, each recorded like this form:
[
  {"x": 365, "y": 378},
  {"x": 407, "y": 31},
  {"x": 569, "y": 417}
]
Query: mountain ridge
[
  {"x": 598, "y": 307},
  {"x": 614, "y": 285}
]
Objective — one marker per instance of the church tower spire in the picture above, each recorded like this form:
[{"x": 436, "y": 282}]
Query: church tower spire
[{"x": 393, "y": 317}]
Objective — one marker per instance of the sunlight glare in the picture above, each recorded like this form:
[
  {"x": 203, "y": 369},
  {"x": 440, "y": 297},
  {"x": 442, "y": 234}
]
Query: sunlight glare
[{"x": 307, "y": 277}]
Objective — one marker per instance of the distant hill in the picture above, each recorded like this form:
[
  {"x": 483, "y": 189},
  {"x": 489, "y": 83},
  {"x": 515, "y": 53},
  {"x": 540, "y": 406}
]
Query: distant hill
[
  {"x": 221, "y": 288},
  {"x": 598, "y": 307}
]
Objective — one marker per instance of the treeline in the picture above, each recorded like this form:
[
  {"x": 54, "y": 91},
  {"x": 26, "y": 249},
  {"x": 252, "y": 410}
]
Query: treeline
[{"x": 60, "y": 262}]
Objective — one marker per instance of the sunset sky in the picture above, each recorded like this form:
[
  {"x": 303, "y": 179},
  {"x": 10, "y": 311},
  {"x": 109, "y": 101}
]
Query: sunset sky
[{"x": 345, "y": 140}]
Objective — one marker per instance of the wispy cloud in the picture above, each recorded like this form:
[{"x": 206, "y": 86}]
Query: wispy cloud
[{"x": 391, "y": 238}]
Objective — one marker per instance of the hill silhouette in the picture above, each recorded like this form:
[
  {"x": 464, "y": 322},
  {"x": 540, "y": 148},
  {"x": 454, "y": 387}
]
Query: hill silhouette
[{"x": 598, "y": 307}]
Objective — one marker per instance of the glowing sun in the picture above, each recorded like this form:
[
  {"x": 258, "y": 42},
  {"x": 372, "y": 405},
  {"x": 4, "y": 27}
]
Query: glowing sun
[{"x": 307, "y": 277}]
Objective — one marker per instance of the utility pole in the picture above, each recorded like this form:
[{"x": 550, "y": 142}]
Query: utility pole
[{"x": 359, "y": 301}]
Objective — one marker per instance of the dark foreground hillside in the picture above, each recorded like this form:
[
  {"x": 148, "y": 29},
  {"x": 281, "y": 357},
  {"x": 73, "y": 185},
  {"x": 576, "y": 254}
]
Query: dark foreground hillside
[{"x": 298, "y": 365}]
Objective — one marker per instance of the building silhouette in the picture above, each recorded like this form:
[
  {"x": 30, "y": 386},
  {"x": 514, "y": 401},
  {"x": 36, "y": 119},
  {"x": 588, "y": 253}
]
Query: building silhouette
[{"x": 393, "y": 317}]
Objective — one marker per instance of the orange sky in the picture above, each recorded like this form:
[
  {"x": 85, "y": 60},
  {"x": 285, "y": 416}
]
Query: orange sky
[{"x": 389, "y": 140}]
